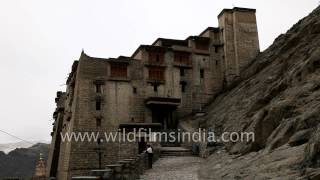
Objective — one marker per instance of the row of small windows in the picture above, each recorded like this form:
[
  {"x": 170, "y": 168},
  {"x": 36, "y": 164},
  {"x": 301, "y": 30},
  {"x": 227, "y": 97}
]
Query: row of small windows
[
  {"x": 156, "y": 87},
  {"x": 98, "y": 89},
  {"x": 182, "y": 72},
  {"x": 155, "y": 73},
  {"x": 182, "y": 84},
  {"x": 179, "y": 57}
]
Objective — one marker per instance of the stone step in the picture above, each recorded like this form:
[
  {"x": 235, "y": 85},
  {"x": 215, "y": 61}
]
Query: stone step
[
  {"x": 175, "y": 155},
  {"x": 175, "y": 151},
  {"x": 170, "y": 144}
]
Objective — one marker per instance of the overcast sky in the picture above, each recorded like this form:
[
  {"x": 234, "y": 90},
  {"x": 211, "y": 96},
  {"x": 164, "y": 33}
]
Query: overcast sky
[{"x": 39, "y": 40}]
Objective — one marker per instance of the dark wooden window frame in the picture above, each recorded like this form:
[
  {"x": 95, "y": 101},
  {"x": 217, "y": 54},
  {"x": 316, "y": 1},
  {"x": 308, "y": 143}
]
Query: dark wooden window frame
[{"x": 119, "y": 70}]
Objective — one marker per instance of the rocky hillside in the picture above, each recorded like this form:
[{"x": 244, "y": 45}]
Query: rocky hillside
[
  {"x": 277, "y": 98},
  {"x": 21, "y": 162}
]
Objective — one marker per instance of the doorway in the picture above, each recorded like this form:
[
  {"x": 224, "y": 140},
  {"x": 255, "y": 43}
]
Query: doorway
[{"x": 165, "y": 116}]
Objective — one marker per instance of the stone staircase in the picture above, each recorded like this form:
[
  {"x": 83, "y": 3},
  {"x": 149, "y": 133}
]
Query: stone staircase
[
  {"x": 174, "y": 152},
  {"x": 169, "y": 142},
  {"x": 174, "y": 148},
  {"x": 124, "y": 169}
]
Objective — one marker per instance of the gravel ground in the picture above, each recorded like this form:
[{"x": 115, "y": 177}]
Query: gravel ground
[{"x": 174, "y": 168}]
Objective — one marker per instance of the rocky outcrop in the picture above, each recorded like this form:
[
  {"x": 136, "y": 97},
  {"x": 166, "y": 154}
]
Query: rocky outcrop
[{"x": 277, "y": 98}]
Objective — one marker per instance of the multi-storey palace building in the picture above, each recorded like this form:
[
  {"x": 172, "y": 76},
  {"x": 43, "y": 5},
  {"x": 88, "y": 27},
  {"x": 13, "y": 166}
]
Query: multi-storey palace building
[{"x": 159, "y": 84}]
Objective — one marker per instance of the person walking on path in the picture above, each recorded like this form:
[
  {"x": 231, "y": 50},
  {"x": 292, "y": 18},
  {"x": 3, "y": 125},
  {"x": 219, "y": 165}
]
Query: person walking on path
[{"x": 150, "y": 155}]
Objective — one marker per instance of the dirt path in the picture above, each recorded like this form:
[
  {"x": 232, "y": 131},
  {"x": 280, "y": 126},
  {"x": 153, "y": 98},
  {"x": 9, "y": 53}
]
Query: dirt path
[{"x": 174, "y": 168}]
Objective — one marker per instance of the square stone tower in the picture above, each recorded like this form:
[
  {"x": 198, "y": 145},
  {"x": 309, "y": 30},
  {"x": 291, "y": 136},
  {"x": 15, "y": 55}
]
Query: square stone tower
[{"x": 240, "y": 38}]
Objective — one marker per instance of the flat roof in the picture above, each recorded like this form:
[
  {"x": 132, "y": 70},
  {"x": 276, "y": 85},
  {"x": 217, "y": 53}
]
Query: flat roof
[
  {"x": 121, "y": 59},
  {"x": 148, "y": 47},
  {"x": 237, "y": 9},
  {"x": 214, "y": 29},
  {"x": 198, "y": 38},
  {"x": 170, "y": 42}
]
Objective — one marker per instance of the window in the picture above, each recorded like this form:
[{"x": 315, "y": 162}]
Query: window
[
  {"x": 201, "y": 73},
  {"x": 157, "y": 57},
  {"x": 98, "y": 105},
  {"x": 156, "y": 73},
  {"x": 183, "y": 86},
  {"x": 132, "y": 119},
  {"x": 118, "y": 70},
  {"x": 216, "y": 49},
  {"x": 134, "y": 90},
  {"x": 98, "y": 122},
  {"x": 182, "y": 72},
  {"x": 98, "y": 88},
  {"x": 155, "y": 88},
  {"x": 216, "y": 62},
  {"x": 202, "y": 45},
  {"x": 182, "y": 57}
]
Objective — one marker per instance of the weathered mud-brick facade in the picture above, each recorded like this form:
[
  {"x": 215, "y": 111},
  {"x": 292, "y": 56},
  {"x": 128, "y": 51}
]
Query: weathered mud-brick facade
[{"x": 159, "y": 84}]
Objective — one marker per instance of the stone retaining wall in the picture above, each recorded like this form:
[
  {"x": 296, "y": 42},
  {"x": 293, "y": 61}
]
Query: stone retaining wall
[{"x": 124, "y": 169}]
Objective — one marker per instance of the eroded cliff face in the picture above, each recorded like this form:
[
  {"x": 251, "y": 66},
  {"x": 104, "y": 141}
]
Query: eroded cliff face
[{"x": 277, "y": 98}]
